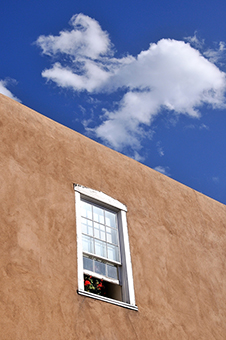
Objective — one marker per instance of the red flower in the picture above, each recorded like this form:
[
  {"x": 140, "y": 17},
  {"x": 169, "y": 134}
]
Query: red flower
[
  {"x": 87, "y": 283},
  {"x": 100, "y": 285}
]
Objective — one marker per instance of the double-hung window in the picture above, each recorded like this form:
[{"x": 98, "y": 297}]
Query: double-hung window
[{"x": 104, "y": 262}]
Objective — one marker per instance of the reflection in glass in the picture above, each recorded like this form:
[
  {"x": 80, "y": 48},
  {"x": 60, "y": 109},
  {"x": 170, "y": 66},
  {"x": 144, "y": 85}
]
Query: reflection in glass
[
  {"x": 102, "y": 232},
  {"x": 99, "y": 231},
  {"x": 112, "y": 271},
  {"x": 110, "y": 219},
  {"x": 99, "y": 267},
  {"x": 98, "y": 214},
  {"x": 100, "y": 248},
  {"x": 113, "y": 253},
  {"x": 100, "y": 238},
  {"x": 96, "y": 230},
  {"x": 87, "y": 226},
  {"x": 87, "y": 263},
  {"x": 87, "y": 243},
  {"x": 86, "y": 210},
  {"x": 111, "y": 235}
]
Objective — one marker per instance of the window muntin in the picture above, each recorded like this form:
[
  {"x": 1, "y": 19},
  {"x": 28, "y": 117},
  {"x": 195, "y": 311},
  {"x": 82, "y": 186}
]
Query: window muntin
[
  {"x": 102, "y": 268},
  {"x": 99, "y": 232},
  {"x": 122, "y": 293}
]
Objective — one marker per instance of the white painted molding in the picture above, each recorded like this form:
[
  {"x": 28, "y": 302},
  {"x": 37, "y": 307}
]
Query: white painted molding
[
  {"x": 128, "y": 295},
  {"x": 99, "y": 196},
  {"x": 105, "y": 299},
  {"x": 79, "y": 242}
]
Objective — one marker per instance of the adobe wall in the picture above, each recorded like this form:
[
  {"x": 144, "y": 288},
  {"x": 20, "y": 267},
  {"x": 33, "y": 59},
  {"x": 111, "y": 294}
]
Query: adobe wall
[{"x": 177, "y": 241}]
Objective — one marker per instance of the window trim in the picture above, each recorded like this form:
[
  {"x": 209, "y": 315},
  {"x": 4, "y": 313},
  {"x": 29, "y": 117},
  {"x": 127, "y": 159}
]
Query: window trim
[{"x": 127, "y": 275}]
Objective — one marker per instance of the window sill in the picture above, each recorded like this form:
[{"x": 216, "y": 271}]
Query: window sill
[{"x": 105, "y": 299}]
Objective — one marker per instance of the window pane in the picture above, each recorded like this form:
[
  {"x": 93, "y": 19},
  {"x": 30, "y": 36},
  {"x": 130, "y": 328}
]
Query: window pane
[
  {"x": 84, "y": 226},
  {"x": 87, "y": 263},
  {"x": 99, "y": 267},
  {"x": 98, "y": 214},
  {"x": 86, "y": 210},
  {"x": 100, "y": 248},
  {"x": 112, "y": 271},
  {"x": 87, "y": 226},
  {"x": 111, "y": 235},
  {"x": 102, "y": 232},
  {"x": 99, "y": 231},
  {"x": 96, "y": 230},
  {"x": 110, "y": 219},
  {"x": 90, "y": 227},
  {"x": 87, "y": 243},
  {"x": 113, "y": 253}
]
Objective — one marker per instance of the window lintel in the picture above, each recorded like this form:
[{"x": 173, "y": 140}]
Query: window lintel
[{"x": 99, "y": 196}]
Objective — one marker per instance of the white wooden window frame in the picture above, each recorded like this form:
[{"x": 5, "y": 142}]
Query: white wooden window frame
[{"x": 104, "y": 200}]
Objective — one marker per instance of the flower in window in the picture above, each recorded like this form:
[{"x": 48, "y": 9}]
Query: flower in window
[{"x": 94, "y": 285}]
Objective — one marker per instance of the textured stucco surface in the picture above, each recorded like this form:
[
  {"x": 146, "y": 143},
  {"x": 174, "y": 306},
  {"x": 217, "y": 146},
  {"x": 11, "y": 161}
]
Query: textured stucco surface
[{"x": 177, "y": 240}]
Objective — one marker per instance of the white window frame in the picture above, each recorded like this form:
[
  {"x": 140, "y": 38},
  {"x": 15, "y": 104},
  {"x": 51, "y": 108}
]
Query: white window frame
[{"x": 97, "y": 197}]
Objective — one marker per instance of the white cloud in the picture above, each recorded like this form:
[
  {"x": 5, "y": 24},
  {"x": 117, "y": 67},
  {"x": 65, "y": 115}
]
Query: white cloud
[
  {"x": 123, "y": 127},
  {"x": 138, "y": 157},
  {"x": 204, "y": 127},
  {"x": 160, "y": 149},
  {"x": 195, "y": 41},
  {"x": 215, "y": 55},
  {"x": 5, "y": 91},
  {"x": 163, "y": 170},
  {"x": 170, "y": 75},
  {"x": 200, "y": 127},
  {"x": 65, "y": 77},
  {"x": 86, "y": 39}
]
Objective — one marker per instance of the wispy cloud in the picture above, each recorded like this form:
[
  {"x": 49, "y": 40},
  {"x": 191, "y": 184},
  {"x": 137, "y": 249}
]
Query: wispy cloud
[
  {"x": 163, "y": 170},
  {"x": 160, "y": 149},
  {"x": 199, "y": 126},
  {"x": 5, "y": 91},
  {"x": 195, "y": 41},
  {"x": 203, "y": 127},
  {"x": 216, "y": 55},
  {"x": 216, "y": 180},
  {"x": 169, "y": 75}
]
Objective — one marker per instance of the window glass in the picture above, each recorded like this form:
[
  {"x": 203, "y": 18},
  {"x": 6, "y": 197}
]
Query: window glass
[
  {"x": 87, "y": 263},
  {"x": 100, "y": 248},
  {"x": 101, "y": 223},
  {"x": 99, "y": 231},
  {"x": 110, "y": 219},
  {"x": 100, "y": 238},
  {"x": 99, "y": 267},
  {"x": 113, "y": 253},
  {"x": 102, "y": 233},
  {"x": 112, "y": 271},
  {"x": 87, "y": 226},
  {"x": 111, "y": 235},
  {"x": 98, "y": 214},
  {"x": 86, "y": 210},
  {"x": 87, "y": 243}
]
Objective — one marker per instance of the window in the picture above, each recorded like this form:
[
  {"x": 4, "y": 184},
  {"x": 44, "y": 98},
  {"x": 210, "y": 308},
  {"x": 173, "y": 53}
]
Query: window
[{"x": 104, "y": 263}]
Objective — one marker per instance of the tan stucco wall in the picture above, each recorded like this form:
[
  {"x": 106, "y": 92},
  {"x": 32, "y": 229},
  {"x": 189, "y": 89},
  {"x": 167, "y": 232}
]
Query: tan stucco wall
[{"x": 177, "y": 241}]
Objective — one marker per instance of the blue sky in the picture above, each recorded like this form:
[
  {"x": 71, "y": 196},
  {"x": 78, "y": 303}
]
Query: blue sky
[{"x": 146, "y": 78}]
